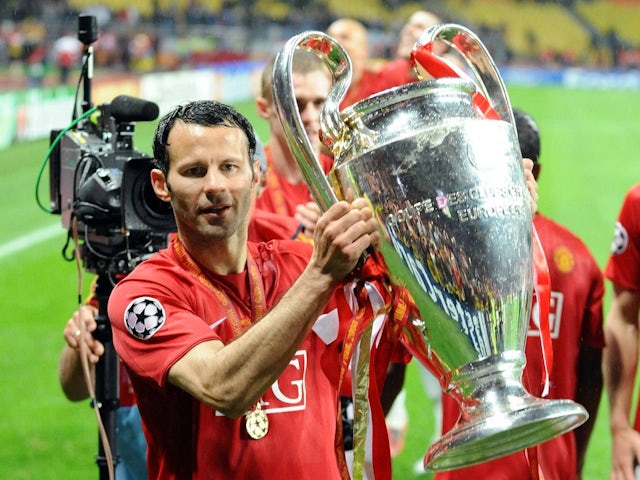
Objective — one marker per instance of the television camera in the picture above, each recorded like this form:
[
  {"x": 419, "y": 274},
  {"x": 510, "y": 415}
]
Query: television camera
[{"x": 98, "y": 177}]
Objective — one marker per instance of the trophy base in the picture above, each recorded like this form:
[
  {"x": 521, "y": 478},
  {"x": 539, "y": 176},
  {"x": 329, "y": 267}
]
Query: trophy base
[{"x": 473, "y": 440}]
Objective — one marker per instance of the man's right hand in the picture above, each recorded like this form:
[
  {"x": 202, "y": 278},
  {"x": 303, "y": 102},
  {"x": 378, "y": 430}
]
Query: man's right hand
[
  {"x": 342, "y": 235},
  {"x": 86, "y": 316},
  {"x": 626, "y": 452}
]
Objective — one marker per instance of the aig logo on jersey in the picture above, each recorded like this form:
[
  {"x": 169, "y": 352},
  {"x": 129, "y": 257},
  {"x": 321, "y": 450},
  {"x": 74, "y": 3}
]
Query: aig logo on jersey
[
  {"x": 620, "y": 240},
  {"x": 144, "y": 317},
  {"x": 289, "y": 392}
]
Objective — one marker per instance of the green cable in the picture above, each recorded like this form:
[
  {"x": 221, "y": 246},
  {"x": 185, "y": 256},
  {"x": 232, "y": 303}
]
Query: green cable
[{"x": 48, "y": 155}]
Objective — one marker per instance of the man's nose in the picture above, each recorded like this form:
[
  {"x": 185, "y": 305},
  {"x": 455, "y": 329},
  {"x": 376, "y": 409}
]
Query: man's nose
[{"x": 213, "y": 180}]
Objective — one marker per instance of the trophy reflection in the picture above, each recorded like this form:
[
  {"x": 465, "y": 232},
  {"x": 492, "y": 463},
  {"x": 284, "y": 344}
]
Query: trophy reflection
[{"x": 439, "y": 162}]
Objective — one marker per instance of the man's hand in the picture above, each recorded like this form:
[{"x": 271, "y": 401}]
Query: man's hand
[
  {"x": 86, "y": 316},
  {"x": 78, "y": 330},
  {"x": 626, "y": 453},
  {"x": 532, "y": 185},
  {"x": 308, "y": 214},
  {"x": 342, "y": 235}
]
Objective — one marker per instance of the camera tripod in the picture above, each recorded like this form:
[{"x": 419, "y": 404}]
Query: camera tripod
[{"x": 107, "y": 378}]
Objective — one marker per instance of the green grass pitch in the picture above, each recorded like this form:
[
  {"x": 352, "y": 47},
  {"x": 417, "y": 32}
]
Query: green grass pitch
[{"x": 589, "y": 152}]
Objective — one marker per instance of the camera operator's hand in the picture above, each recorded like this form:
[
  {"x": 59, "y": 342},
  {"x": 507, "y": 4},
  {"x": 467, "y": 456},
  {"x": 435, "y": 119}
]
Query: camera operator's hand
[
  {"x": 70, "y": 373},
  {"x": 73, "y": 332}
]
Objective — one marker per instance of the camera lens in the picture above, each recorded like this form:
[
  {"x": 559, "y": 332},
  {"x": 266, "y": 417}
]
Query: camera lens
[{"x": 143, "y": 210}]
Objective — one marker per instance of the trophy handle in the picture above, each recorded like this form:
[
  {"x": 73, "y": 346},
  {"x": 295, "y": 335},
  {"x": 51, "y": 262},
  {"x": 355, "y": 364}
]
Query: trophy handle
[
  {"x": 339, "y": 65},
  {"x": 492, "y": 98}
]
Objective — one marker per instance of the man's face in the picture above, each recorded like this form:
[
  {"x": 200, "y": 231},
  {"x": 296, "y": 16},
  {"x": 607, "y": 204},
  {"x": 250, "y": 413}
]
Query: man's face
[
  {"x": 210, "y": 181},
  {"x": 415, "y": 26},
  {"x": 311, "y": 91},
  {"x": 354, "y": 40}
]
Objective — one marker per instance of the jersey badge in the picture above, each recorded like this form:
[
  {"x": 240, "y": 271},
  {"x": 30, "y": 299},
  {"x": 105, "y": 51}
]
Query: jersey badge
[
  {"x": 563, "y": 259},
  {"x": 144, "y": 317},
  {"x": 620, "y": 240}
]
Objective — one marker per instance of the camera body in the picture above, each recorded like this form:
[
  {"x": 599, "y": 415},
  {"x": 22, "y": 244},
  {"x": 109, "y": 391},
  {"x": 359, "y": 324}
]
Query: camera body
[{"x": 97, "y": 177}]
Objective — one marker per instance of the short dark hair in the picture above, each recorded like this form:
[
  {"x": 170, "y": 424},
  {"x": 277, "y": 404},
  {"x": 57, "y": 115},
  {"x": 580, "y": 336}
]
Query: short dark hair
[
  {"x": 208, "y": 113},
  {"x": 528, "y": 135},
  {"x": 303, "y": 62}
]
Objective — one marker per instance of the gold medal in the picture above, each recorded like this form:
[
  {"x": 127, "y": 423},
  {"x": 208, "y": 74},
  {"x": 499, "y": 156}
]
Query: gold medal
[{"x": 257, "y": 423}]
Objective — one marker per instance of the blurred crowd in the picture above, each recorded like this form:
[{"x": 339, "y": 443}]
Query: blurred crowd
[
  {"x": 38, "y": 40},
  {"x": 39, "y": 45}
]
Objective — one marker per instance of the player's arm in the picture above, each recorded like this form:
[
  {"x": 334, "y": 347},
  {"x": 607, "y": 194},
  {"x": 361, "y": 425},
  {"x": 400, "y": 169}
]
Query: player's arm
[
  {"x": 588, "y": 395},
  {"x": 589, "y": 378},
  {"x": 232, "y": 377},
  {"x": 392, "y": 385},
  {"x": 620, "y": 365}
]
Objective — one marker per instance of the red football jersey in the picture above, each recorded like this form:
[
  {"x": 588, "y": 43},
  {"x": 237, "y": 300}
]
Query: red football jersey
[
  {"x": 370, "y": 83},
  {"x": 161, "y": 310},
  {"x": 265, "y": 226},
  {"x": 395, "y": 73},
  {"x": 623, "y": 267}
]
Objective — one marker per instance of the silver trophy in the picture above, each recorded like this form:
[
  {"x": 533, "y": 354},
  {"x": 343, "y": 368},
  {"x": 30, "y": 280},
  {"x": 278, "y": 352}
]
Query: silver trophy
[{"x": 447, "y": 186}]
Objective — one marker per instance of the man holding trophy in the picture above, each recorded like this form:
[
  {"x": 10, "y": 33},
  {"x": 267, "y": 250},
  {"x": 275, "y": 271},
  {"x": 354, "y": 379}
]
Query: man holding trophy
[
  {"x": 237, "y": 349},
  {"x": 234, "y": 347}
]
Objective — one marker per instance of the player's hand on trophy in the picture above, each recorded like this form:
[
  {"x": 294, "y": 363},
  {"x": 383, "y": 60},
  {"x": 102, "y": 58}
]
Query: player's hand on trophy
[
  {"x": 84, "y": 320},
  {"x": 308, "y": 214},
  {"x": 342, "y": 235},
  {"x": 532, "y": 185}
]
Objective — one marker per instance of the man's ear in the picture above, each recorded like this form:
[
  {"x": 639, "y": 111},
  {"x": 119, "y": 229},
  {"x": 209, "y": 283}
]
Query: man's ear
[
  {"x": 259, "y": 178},
  {"x": 262, "y": 106},
  {"x": 159, "y": 183}
]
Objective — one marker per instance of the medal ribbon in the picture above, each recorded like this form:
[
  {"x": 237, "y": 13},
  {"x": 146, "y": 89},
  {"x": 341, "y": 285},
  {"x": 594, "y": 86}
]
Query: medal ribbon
[
  {"x": 358, "y": 323},
  {"x": 257, "y": 296},
  {"x": 360, "y": 400},
  {"x": 372, "y": 363},
  {"x": 542, "y": 285},
  {"x": 439, "y": 67},
  {"x": 256, "y": 289},
  {"x": 381, "y": 351}
]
